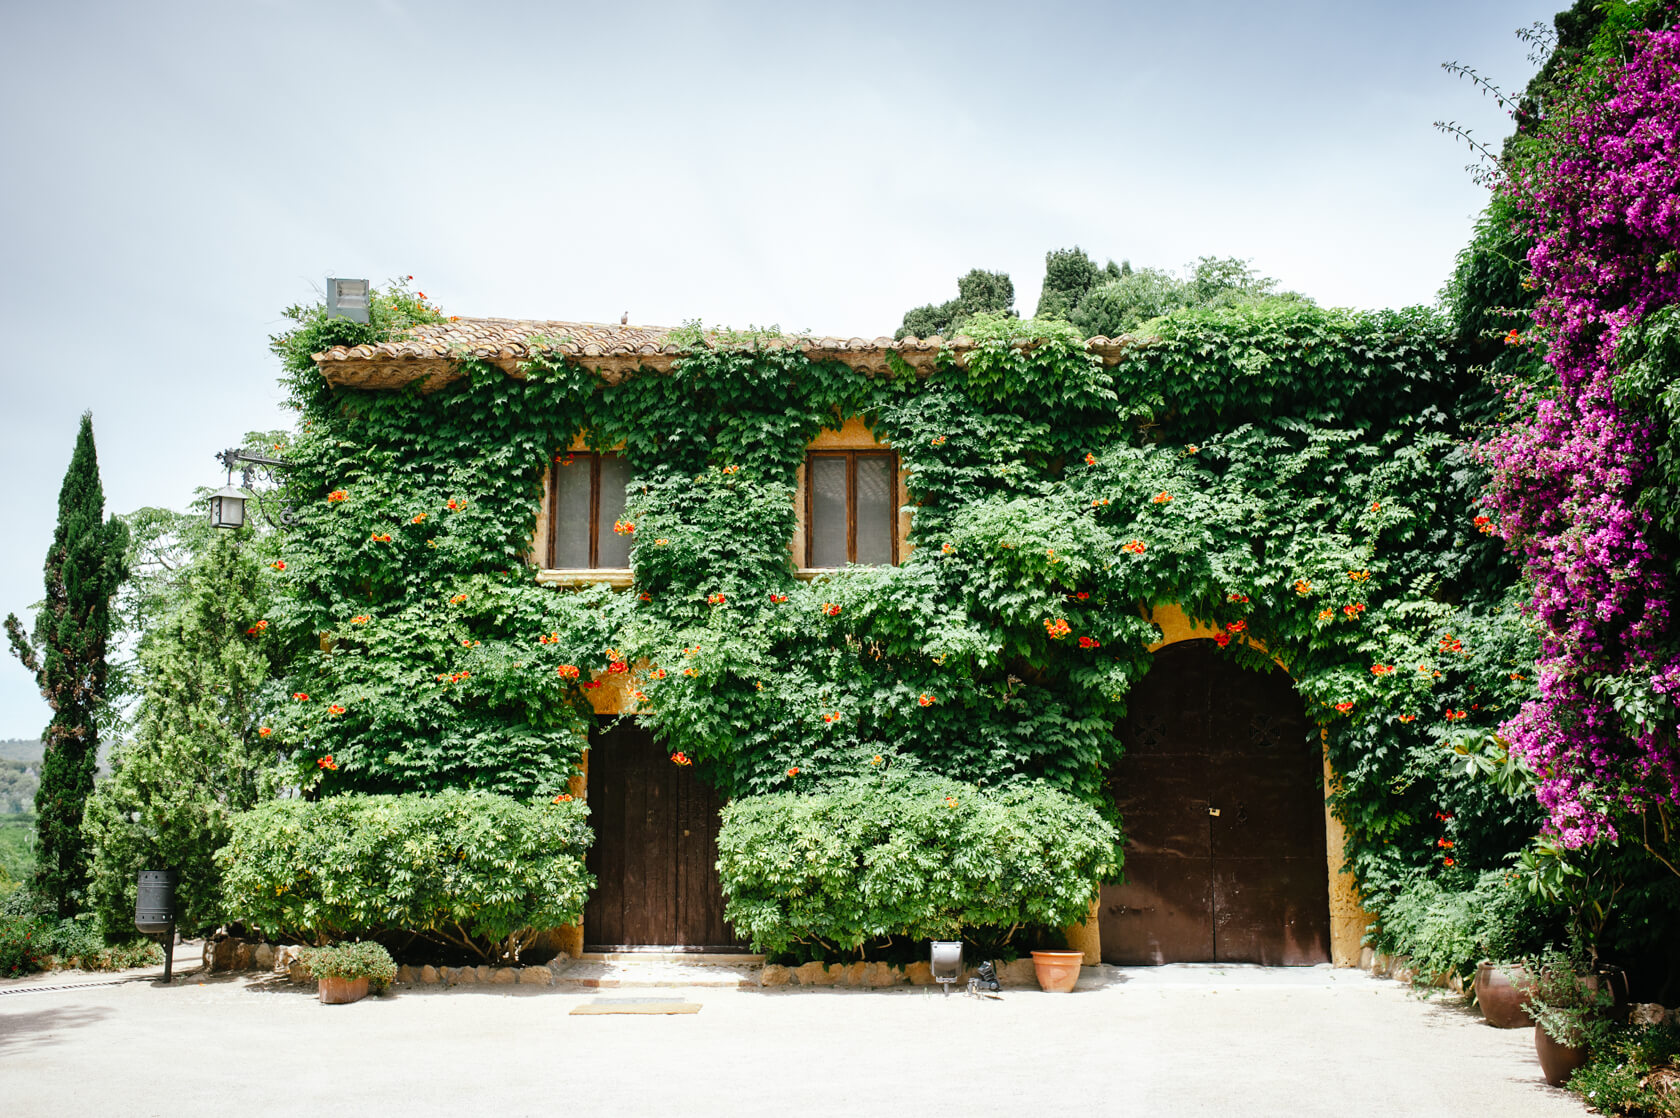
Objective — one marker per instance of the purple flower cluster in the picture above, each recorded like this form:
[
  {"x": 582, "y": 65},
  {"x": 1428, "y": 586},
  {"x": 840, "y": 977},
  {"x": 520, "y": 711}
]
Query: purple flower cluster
[{"x": 1602, "y": 205}]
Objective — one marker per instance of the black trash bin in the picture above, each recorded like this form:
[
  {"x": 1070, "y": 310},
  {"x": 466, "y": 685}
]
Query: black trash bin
[{"x": 154, "y": 912}]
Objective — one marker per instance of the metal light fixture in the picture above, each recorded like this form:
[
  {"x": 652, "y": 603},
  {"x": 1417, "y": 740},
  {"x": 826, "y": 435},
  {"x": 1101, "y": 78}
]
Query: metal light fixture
[
  {"x": 227, "y": 504},
  {"x": 227, "y": 507},
  {"x": 348, "y": 298},
  {"x": 945, "y": 955}
]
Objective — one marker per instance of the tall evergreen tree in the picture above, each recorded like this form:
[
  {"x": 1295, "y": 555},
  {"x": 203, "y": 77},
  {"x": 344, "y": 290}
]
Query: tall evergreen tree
[{"x": 67, "y": 655}]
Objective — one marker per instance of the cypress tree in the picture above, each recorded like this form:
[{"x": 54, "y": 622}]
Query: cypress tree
[{"x": 84, "y": 567}]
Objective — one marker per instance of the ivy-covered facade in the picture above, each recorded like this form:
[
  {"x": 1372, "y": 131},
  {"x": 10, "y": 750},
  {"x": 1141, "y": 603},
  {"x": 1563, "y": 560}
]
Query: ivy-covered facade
[{"x": 1290, "y": 485}]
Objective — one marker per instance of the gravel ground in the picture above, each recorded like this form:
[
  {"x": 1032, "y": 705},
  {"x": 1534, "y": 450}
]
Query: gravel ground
[{"x": 1181, "y": 1040}]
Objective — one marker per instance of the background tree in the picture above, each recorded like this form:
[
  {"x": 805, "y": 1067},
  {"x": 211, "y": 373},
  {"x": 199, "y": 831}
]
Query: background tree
[
  {"x": 1123, "y": 303},
  {"x": 200, "y": 752},
  {"x": 67, "y": 655},
  {"x": 1068, "y": 275},
  {"x": 979, "y": 292}
]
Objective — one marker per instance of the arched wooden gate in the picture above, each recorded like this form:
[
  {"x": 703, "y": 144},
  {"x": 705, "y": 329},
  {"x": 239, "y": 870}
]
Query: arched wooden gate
[{"x": 1221, "y": 792}]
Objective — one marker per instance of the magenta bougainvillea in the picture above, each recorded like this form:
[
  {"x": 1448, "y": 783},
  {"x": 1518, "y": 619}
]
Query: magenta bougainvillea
[{"x": 1601, "y": 202}]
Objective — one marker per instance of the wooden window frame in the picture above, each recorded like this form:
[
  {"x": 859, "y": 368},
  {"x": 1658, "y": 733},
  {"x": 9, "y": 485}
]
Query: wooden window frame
[
  {"x": 577, "y": 456},
  {"x": 851, "y": 457}
]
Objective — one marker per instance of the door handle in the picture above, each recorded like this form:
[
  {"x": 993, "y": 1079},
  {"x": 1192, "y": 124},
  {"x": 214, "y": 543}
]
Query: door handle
[{"x": 1213, "y": 811}]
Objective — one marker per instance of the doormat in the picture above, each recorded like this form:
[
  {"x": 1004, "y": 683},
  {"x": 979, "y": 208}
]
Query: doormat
[{"x": 635, "y": 1005}]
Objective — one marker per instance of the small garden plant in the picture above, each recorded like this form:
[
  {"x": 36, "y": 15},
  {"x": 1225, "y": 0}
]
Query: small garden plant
[{"x": 353, "y": 960}]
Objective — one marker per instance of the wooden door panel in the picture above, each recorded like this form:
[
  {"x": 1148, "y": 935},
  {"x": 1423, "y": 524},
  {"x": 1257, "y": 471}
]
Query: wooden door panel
[
  {"x": 1271, "y": 911},
  {"x": 655, "y": 851},
  {"x": 1163, "y": 913},
  {"x": 1247, "y": 884}
]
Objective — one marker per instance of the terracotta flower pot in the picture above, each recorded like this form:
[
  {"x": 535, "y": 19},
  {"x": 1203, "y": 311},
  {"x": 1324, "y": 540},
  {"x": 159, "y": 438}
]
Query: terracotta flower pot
[
  {"x": 1557, "y": 1061},
  {"x": 1057, "y": 970},
  {"x": 343, "y": 991},
  {"x": 1501, "y": 990}
]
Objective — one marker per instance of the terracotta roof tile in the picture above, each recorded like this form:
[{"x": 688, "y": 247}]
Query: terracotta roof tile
[{"x": 430, "y": 353}]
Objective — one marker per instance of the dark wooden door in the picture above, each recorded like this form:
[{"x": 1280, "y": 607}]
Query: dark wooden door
[
  {"x": 1224, "y": 817},
  {"x": 655, "y": 852}
]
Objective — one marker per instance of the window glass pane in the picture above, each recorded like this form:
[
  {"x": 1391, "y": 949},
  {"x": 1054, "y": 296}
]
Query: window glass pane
[
  {"x": 571, "y": 511},
  {"x": 875, "y": 501},
  {"x": 613, "y": 549},
  {"x": 827, "y": 477}
]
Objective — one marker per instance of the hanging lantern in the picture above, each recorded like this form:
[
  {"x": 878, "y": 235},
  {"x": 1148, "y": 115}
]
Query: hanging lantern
[{"x": 227, "y": 507}]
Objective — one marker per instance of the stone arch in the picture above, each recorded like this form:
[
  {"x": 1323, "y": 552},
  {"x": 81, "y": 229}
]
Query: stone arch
[{"x": 1348, "y": 918}]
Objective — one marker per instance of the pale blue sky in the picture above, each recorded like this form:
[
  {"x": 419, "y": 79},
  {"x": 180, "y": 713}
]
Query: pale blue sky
[{"x": 173, "y": 174}]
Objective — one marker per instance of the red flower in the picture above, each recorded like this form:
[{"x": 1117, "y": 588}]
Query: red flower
[
  {"x": 1136, "y": 547},
  {"x": 831, "y": 609},
  {"x": 339, "y": 495},
  {"x": 257, "y": 628},
  {"x": 361, "y": 619},
  {"x": 794, "y": 771},
  {"x": 927, "y": 700},
  {"x": 778, "y": 598},
  {"x": 419, "y": 518},
  {"x": 1090, "y": 459},
  {"x": 1514, "y": 338},
  {"x": 681, "y": 758},
  {"x": 335, "y": 709},
  {"x": 1081, "y": 595},
  {"x": 645, "y": 596},
  {"x": 278, "y": 564},
  {"x": 659, "y": 673},
  {"x": 592, "y": 684},
  {"x": 1376, "y": 506},
  {"x": 1161, "y": 498},
  {"x": 1449, "y": 643},
  {"x": 1484, "y": 525},
  {"x": 1408, "y": 718},
  {"x": 1222, "y": 639},
  {"x": 1448, "y": 862},
  {"x": 1382, "y": 669},
  {"x": 263, "y": 731},
  {"x": 715, "y": 599},
  {"x": 455, "y": 506},
  {"x": 1243, "y": 598},
  {"x": 624, "y": 527},
  {"x": 563, "y": 798},
  {"x": 832, "y": 716},
  {"x": 326, "y": 762},
  {"x": 1235, "y": 626},
  {"x": 1445, "y": 844},
  {"x": 301, "y": 696},
  {"x": 1089, "y": 642},
  {"x": 567, "y": 671},
  {"x": 1456, "y": 715},
  {"x": 617, "y": 667},
  {"x": 1343, "y": 708},
  {"x": 1057, "y": 629},
  {"x": 457, "y": 599}
]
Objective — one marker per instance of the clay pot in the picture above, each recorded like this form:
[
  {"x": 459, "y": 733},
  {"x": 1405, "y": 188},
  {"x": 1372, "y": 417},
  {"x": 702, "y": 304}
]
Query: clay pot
[
  {"x": 1057, "y": 970},
  {"x": 343, "y": 991},
  {"x": 1557, "y": 1061},
  {"x": 1501, "y": 991}
]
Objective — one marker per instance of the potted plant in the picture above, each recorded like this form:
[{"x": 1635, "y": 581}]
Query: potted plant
[
  {"x": 1057, "y": 971},
  {"x": 1501, "y": 990},
  {"x": 348, "y": 971},
  {"x": 1568, "y": 1007}
]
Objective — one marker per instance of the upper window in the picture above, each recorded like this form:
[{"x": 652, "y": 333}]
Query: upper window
[
  {"x": 586, "y": 500},
  {"x": 851, "y": 515}
]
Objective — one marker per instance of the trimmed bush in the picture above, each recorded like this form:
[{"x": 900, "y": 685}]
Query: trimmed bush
[
  {"x": 903, "y": 854},
  {"x": 30, "y": 942},
  {"x": 471, "y": 870},
  {"x": 351, "y": 960}
]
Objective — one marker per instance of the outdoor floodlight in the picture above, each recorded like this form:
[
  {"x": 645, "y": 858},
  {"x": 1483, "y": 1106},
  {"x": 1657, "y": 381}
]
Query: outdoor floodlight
[
  {"x": 946, "y": 957},
  {"x": 347, "y": 298},
  {"x": 227, "y": 507}
]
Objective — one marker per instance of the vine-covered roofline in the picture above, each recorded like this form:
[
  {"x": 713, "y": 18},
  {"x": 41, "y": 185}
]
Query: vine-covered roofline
[{"x": 432, "y": 353}]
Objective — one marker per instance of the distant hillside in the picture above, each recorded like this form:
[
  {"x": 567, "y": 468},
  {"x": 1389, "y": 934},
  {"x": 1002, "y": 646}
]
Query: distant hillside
[
  {"x": 18, "y": 781},
  {"x": 20, "y": 749}
]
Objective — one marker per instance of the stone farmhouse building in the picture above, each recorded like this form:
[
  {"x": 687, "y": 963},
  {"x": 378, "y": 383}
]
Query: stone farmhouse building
[{"x": 1231, "y": 856}]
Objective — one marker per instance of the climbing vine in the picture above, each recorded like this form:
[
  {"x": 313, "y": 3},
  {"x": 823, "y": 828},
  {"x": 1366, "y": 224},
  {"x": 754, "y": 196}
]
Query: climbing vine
[{"x": 1293, "y": 476}]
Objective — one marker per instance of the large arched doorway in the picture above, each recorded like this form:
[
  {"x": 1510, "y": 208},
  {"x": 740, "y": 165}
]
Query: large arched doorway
[{"x": 1223, "y": 809}]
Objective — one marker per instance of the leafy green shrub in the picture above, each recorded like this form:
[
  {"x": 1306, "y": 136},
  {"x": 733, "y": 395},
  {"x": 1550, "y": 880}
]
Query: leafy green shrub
[
  {"x": 471, "y": 870},
  {"x": 1633, "y": 1073},
  {"x": 1567, "y": 1002},
  {"x": 23, "y": 946},
  {"x": 897, "y": 853},
  {"x": 1447, "y": 931},
  {"x": 361, "y": 959}
]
